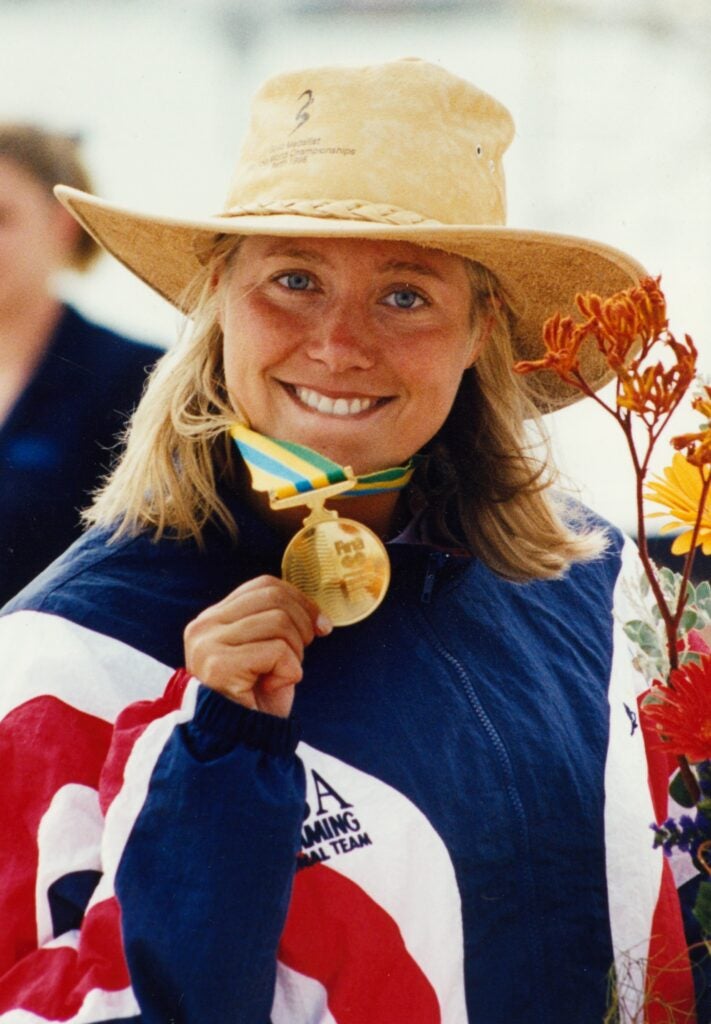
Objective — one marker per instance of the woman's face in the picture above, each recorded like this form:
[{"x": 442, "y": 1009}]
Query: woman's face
[
  {"x": 353, "y": 347},
  {"x": 32, "y": 242}
]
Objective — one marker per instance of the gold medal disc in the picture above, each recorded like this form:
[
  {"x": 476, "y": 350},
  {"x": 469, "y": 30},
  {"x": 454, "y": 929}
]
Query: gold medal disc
[{"x": 341, "y": 564}]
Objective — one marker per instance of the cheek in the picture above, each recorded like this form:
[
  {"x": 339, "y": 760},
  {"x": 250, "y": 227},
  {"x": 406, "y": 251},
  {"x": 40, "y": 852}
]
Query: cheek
[
  {"x": 25, "y": 256},
  {"x": 440, "y": 368},
  {"x": 250, "y": 352},
  {"x": 437, "y": 390},
  {"x": 234, "y": 349},
  {"x": 254, "y": 336},
  {"x": 22, "y": 244},
  {"x": 441, "y": 403}
]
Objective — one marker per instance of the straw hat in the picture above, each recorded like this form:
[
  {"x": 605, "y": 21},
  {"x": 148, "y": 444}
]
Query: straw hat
[{"x": 403, "y": 151}]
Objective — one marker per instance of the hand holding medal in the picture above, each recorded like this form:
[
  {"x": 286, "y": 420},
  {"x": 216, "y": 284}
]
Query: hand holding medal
[{"x": 339, "y": 563}]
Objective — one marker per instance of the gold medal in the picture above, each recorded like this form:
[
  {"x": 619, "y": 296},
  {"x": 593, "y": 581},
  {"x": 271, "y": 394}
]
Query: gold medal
[{"x": 339, "y": 563}]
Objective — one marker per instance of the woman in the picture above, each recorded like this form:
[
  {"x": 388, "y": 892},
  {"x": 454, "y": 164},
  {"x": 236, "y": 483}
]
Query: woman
[
  {"x": 240, "y": 813},
  {"x": 66, "y": 385}
]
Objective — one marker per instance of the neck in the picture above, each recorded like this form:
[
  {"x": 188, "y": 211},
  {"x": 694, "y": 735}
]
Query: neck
[
  {"x": 25, "y": 331},
  {"x": 379, "y": 512}
]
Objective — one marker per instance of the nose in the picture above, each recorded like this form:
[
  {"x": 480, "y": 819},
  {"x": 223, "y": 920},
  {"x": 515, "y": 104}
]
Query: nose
[{"x": 341, "y": 341}]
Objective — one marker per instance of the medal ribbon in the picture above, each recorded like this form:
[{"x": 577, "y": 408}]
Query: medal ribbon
[{"x": 286, "y": 469}]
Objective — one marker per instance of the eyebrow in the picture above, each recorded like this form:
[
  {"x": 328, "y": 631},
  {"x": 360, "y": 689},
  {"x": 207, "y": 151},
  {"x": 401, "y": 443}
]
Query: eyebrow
[
  {"x": 404, "y": 266},
  {"x": 295, "y": 254},
  {"x": 401, "y": 266}
]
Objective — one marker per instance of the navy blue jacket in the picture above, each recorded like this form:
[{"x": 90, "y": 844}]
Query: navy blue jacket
[
  {"x": 453, "y": 826},
  {"x": 59, "y": 440}
]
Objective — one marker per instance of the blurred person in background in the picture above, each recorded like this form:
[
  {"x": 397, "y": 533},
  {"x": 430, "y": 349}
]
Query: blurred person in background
[
  {"x": 66, "y": 385},
  {"x": 220, "y": 809}
]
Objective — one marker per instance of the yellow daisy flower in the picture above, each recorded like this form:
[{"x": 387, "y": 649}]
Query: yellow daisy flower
[{"x": 680, "y": 493}]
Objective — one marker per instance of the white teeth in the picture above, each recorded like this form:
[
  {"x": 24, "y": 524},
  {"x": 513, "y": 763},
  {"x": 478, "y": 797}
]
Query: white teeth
[{"x": 330, "y": 406}]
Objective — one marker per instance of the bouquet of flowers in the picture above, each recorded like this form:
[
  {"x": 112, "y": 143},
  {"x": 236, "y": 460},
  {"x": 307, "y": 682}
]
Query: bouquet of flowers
[{"x": 654, "y": 371}]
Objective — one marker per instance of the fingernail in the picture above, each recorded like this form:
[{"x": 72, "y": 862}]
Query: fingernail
[{"x": 324, "y": 624}]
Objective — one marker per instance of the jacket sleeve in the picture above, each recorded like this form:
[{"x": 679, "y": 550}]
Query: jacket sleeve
[
  {"x": 205, "y": 880},
  {"x": 146, "y": 867}
]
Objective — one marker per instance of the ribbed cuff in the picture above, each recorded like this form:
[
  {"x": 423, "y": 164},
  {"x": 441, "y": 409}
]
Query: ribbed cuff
[{"x": 220, "y": 724}]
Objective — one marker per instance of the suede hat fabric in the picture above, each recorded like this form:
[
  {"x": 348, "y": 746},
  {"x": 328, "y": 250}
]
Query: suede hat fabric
[{"x": 402, "y": 151}]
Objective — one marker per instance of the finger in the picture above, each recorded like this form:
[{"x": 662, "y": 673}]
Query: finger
[
  {"x": 236, "y": 670},
  {"x": 272, "y": 702},
  {"x": 250, "y": 600},
  {"x": 293, "y": 625},
  {"x": 252, "y": 618},
  {"x": 275, "y": 592},
  {"x": 237, "y": 652}
]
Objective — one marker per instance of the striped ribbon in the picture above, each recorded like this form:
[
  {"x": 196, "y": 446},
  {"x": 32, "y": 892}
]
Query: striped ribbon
[{"x": 286, "y": 469}]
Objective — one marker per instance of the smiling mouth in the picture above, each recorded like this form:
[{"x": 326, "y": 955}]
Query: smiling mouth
[{"x": 334, "y": 406}]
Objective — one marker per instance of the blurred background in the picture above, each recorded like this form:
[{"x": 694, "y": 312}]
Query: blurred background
[{"x": 611, "y": 98}]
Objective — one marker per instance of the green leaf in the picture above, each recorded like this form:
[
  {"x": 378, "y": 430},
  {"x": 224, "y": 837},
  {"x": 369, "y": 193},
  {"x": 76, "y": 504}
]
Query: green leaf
[
  {"x": 688, "y": 620},
  {"x": 679, "y": 792},
  {"x": 702, "y": 907},
  {"x": 668, "y": 579},
  {"x": 670, "y": 583},
  {"x": 703, "y": 592},
  {"x": 648, "y": 640}
]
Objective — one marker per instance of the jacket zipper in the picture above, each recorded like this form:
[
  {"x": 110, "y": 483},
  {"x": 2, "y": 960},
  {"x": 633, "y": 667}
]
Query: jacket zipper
[{"x": 435, "y": 563}]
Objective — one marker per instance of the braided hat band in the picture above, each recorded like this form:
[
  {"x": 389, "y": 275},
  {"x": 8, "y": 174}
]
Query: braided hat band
[{"x": 338, "y": 209}]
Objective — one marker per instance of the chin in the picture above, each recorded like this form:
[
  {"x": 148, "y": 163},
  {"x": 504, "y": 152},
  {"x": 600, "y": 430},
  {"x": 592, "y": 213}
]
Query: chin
[
  {"x": 370, "y": 464},
  {"x": 359, "y": 462},
  {"x": 363, "y": 457},
  {"x": 337, "y": 449}
]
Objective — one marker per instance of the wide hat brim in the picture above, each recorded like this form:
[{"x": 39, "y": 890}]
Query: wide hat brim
[{"x": 541, "y": 271}]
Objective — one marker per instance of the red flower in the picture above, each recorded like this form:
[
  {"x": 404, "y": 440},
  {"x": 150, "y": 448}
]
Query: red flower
[
  {"x": 682, "y": 717},
  {"x": 562, "y": 340},
  {"x": 693, "y": 641},
  {"x": 626, "y": 319}
]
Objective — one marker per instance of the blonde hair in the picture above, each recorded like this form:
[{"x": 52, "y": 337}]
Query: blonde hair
[
  {"x": 483, "y": 479},
  {"x": 487, "y": 473}
]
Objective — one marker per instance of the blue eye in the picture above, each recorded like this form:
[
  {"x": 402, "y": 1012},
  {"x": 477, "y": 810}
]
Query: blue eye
[
  {"x": 404, "y": 298},
  {"x": 295, "y": 282}
]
